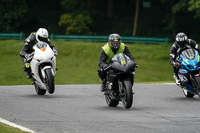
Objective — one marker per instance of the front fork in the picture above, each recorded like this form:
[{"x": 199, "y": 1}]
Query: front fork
[
  {"x": 189, "y": 84},
  {"x": 120, "y": 84}
]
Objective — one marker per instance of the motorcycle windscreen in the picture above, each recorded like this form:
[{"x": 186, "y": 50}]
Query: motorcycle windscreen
[
  {"x": 122, "y": 63},
  {"x": 121, "y": 59},
  {"x": 42, "y": 46},
  {"x": 189, "y": 54}
]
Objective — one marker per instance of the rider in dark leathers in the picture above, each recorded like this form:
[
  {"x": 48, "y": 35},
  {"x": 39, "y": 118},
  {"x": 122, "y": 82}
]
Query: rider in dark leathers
[
  {"x": 182, "y": 43},
  {"x": 40, "y": 36},
  {"x": 116, "y": 46}
]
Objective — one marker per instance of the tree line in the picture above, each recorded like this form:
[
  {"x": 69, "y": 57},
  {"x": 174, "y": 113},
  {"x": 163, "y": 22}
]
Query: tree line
[{"x": 146, "y": 18}]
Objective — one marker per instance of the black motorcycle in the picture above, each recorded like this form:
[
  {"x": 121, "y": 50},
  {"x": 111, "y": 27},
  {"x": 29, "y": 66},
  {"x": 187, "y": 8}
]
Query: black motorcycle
[{"x": 120, "y": 77}]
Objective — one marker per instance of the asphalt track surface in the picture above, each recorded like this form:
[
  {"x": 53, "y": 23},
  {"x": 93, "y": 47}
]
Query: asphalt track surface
[{"x": 157, "y": 108}]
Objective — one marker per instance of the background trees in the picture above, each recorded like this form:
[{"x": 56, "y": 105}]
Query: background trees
[
  {"x": 11, "y": 13},
  {"x": 155, "y": 18},
  {"x": 76, "y": 21},
  {"x": 183, "y": 15}
]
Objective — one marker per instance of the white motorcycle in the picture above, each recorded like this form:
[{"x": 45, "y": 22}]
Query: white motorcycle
[{"x": 43, "y": 68}]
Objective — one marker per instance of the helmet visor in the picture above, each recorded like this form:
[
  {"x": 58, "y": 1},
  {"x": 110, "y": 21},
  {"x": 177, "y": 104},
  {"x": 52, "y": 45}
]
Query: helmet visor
[
  {"x": 115, "y": 44},
  {"x": 182, "y": 43},
  {"x": 42, "y": 39}
]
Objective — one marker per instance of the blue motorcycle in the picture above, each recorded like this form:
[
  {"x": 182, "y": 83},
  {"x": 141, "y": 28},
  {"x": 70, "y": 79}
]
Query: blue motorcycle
[{"x": 189, "y": 72}]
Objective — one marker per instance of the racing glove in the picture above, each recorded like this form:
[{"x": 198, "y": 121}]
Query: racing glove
[
  {"x": 29, "y": 56},
  {"x": 177, "y": 65},
  {"x": 105, "y": 66}
]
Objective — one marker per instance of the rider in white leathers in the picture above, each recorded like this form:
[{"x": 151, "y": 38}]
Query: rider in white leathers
[{"x": 35, "y": 37}]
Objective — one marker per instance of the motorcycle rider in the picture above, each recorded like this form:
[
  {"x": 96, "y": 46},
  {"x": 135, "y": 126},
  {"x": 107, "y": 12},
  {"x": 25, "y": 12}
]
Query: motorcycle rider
[
  {"x": 182, "y": 43},
  {"x": 35, "y": 37},
  {"x": 110, "y": 49}
]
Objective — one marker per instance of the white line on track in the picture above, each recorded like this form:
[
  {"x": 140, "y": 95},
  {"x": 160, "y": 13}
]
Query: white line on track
[
  {"x": 170, "y": 83},
  {"x": 16, "y": 126}
]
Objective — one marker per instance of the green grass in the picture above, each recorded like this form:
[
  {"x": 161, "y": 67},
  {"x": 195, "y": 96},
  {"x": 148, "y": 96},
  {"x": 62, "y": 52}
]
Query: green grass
[
  {"x": 77, "y": 62},
  {"x": 7, "y": 129}
]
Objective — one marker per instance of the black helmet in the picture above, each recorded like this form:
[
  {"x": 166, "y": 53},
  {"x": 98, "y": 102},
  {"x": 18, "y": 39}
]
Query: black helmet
[
  {"x": 114, "y": 41},
  {"x": 181, "y": 39}
]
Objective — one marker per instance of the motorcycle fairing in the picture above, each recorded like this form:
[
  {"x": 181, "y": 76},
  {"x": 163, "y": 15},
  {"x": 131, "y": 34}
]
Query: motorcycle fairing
[
  {"x": 190, "y": 63},
  {"x": 42, "y": 56},
  {"x": 121, "y": 67},
  {"x": 122, "y": 63}
]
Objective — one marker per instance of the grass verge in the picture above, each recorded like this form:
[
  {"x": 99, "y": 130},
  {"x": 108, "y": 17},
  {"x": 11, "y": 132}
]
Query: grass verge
[
  {"x": 8, "y": 129},
  {"x": 77, "y": 62}
]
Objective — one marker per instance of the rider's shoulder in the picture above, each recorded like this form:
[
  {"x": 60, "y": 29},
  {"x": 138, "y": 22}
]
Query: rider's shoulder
[
  {"x": 31, "y": 37},
  {"x": 191, "y": 41},
  {"x": 175, "y": 45}
]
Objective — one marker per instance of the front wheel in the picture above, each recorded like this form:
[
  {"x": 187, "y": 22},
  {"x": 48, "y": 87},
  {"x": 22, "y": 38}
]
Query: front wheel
[
  {"x": 127, "y": 92},
  {"x": 38, "y": 90},
  {"x": 187, "y": 93},
  {"x": 197, "y": 79},
  {"x": 50, "y": 81}
]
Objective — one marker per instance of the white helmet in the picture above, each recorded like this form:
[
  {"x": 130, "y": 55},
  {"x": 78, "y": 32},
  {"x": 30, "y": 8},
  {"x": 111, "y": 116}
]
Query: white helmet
[{"x": 42, "y": 35}]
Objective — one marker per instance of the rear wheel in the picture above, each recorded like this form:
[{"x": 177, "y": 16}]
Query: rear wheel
[
  {"x": 127, "y": 92},
  {"x": 111, "y": 102},
  {"x": 50, "y": 81},
  {"x": 38, "y": 90}
]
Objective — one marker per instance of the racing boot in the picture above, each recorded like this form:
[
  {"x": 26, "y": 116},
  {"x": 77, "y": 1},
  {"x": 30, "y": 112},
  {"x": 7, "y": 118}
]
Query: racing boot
[
  {"x": 177, "y": 80},
  {"x": 103, "y": 85},
  {"x": 27, "y": 69},
  {"x": 28, "y": 75}
]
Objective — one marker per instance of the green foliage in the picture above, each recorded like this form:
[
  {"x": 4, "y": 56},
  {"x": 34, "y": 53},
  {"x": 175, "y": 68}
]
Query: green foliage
[
  {"x": 179, "y": 6},
  {"x": 70, "y": 5},
  {"x": 76, "y": 24},
  {"x": 194, "y": 5},
  {"x": 11, "y": 13},
  {"x": 171, "y": 17},
  {"x": 184, "y": 6},
  {"x": 77, "y": 63},
  {"x": 182, "y": 13}
]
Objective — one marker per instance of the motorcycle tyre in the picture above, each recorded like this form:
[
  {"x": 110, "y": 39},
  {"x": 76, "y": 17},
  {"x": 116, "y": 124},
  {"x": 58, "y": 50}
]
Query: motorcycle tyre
[
  {"x": 111, "y": 102},
  {"x": 50, "y": 81},
  {"x": 198, "y": 81},
  {"x": 128, "y": 99},
  {"x": 198, "y": 84},
  {"x": 187, "y": 93},
  {"x": 38, "y": 90}
]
